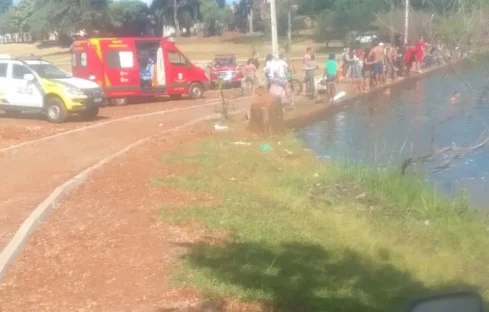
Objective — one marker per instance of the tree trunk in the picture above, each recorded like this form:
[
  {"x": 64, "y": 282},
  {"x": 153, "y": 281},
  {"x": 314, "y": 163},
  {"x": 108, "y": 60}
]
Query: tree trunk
[
  {"x": 250, "y": 18},
  {"x": 175, "y": 18},
  {"x": 289, "y": 25},
  {"x": 266, "y": 115},
  {"x": 391, "y": 21}
]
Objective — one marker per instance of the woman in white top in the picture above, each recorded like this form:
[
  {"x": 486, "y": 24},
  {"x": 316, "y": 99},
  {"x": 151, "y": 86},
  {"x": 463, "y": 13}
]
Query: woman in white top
[{"x": 268, "y": 70}]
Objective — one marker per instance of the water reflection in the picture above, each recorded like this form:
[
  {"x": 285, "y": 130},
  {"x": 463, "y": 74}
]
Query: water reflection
[{"x": 396, "y": 126}]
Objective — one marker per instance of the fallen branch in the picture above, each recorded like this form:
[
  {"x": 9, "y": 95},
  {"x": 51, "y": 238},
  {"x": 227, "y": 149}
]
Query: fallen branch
[{"x": 457, "y": 152}]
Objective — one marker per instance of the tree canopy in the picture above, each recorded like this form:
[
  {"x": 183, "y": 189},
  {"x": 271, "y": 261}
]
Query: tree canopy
[{"x": 335, "y": 19}]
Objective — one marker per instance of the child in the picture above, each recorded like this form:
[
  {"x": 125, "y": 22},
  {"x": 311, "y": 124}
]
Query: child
[
  {"x": 250, "y": 71},
  {"x": 331, "y": 73},
  {"x": 355, "y": 71},
  {"x": 340, "y": 76},
  {"x": 242, "y": 70}
]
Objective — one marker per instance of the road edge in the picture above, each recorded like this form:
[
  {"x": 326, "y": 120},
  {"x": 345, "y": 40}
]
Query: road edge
[
  {"x": 105, "y": 123},
  {"x": 17, "y": 243}
]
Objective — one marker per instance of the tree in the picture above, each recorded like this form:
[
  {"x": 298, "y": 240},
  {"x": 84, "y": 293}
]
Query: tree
[
  {"x": 20, "y": 16},
  {"x": 212, "y": 16},
  {"x": 69, "y": 15},
  {"x": 5, "y": 5},
  {"x": 128, "y": 17},
  {"x": 5, "y": 23},
  {"x": 314, "y": 7},
  {"x": 246, "y": 17},
  {"x": 175, "y": 17}
]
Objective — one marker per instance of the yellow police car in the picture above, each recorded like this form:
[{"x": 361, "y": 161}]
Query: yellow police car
[{"x": 35, "y": 85}]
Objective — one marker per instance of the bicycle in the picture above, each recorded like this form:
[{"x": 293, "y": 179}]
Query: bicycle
[{"x": 294, "y": 85}]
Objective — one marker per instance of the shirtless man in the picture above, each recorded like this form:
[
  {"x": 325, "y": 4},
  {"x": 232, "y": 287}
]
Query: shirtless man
[
  {"x": 390, "y": 57},
  {"x": 377, "y": 57}
]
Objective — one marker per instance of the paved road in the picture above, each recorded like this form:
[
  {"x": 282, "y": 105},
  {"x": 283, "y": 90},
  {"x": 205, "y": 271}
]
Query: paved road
[{"x": 30, "y": 173}]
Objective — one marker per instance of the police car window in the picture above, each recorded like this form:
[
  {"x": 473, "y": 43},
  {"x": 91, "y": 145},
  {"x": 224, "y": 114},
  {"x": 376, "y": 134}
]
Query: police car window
[
  {"x": 176, "y": 58},
  {"x": 3, "y": 70},
  {"x": 119, "y": 59},
  {"x": 18, "y": 71}
]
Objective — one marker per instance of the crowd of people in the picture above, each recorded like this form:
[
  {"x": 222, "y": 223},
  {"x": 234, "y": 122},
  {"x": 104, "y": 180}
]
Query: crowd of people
[
  {"x": 276, "y": 72},
  {"x": 374, "y": 65},
  {"x": 364, "y": 68}
]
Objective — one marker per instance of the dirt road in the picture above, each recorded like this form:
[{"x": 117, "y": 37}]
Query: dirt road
[
  {"x": 30, "y": 173},
  {"x": 31, "y": 127},
  {"x": 104, "y": 248}
]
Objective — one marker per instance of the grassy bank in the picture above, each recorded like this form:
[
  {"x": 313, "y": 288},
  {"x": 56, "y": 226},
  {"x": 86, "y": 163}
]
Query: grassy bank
[{"x": 306, "y": 235}]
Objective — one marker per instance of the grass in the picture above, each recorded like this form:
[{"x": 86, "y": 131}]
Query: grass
[{"x": 306, "y": 235}]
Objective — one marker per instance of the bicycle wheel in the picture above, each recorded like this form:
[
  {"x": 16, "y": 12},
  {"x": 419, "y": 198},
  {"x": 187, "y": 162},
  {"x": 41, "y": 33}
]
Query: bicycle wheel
[{"x": 295, "y": 86}]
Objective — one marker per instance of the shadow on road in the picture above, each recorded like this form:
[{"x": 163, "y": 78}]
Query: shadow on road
[{"x": 307, "y": 277}]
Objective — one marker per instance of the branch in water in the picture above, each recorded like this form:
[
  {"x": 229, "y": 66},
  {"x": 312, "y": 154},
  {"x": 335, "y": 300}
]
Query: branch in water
[{"x": 457, "y": 152}]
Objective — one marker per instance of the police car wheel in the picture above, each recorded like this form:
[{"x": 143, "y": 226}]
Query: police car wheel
[
  {"x": 195, "y": 91},
  {"x": 90, "y": 113},
  {"x": 55, "y": 110}
]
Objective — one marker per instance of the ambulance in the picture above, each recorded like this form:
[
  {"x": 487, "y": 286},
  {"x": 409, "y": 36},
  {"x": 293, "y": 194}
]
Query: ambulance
[
  {"x": 32, "y": 84},
  {"x": 136, "y": 67}
]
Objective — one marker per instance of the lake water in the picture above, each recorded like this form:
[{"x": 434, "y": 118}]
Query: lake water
[{"x": 384, "y": 132}]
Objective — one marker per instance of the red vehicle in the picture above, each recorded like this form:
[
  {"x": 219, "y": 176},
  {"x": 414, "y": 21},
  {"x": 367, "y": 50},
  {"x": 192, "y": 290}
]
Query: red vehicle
[
  {"x": 225, "y": 67},
  {"x": 130, "y": 67}
]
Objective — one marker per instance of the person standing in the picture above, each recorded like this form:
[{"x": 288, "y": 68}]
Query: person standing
[
  {"x": 355, "y": 71},
  {"x": 420, "y": 51},
  {"x": 281, "y": 67},
  {"x": 410, "y": 57},
  {"x": 367, "y": 70},
  {"x": 256, "y": 60},
  {"x": 346, "y": 63},
  {"x": 390, "y": 54},
  {"x": 268, "y": 70},
  {"x": 377, "y": 57},
  {"x": 331, "y": 72},
  {"x": 250, "y": 71},
  {"x": 309, "y": 61}
]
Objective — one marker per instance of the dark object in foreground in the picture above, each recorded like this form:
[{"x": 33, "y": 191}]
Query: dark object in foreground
[
  {"x": 266, "y": 115},
  {"x": 456, "y": 302}
]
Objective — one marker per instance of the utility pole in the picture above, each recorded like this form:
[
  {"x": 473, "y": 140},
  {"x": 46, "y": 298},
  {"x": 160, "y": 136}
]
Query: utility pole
[
  {"x": 406, "y": 23},
  {"x": 175, "y": 18},
  {"x": 273, "y": 15},
  {"x": 391, "y": 20},
  {"x": 251, "y": 16}
]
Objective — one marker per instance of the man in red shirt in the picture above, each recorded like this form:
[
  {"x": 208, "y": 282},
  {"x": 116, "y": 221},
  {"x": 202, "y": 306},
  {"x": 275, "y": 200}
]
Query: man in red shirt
[
  {"x": 410, "y": 57},
  {"x": 420, "y": 48}
]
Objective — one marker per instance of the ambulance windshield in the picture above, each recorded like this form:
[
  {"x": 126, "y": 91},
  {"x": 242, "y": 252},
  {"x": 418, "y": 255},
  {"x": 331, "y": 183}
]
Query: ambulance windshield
[{"x": 48, "y": 70}]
